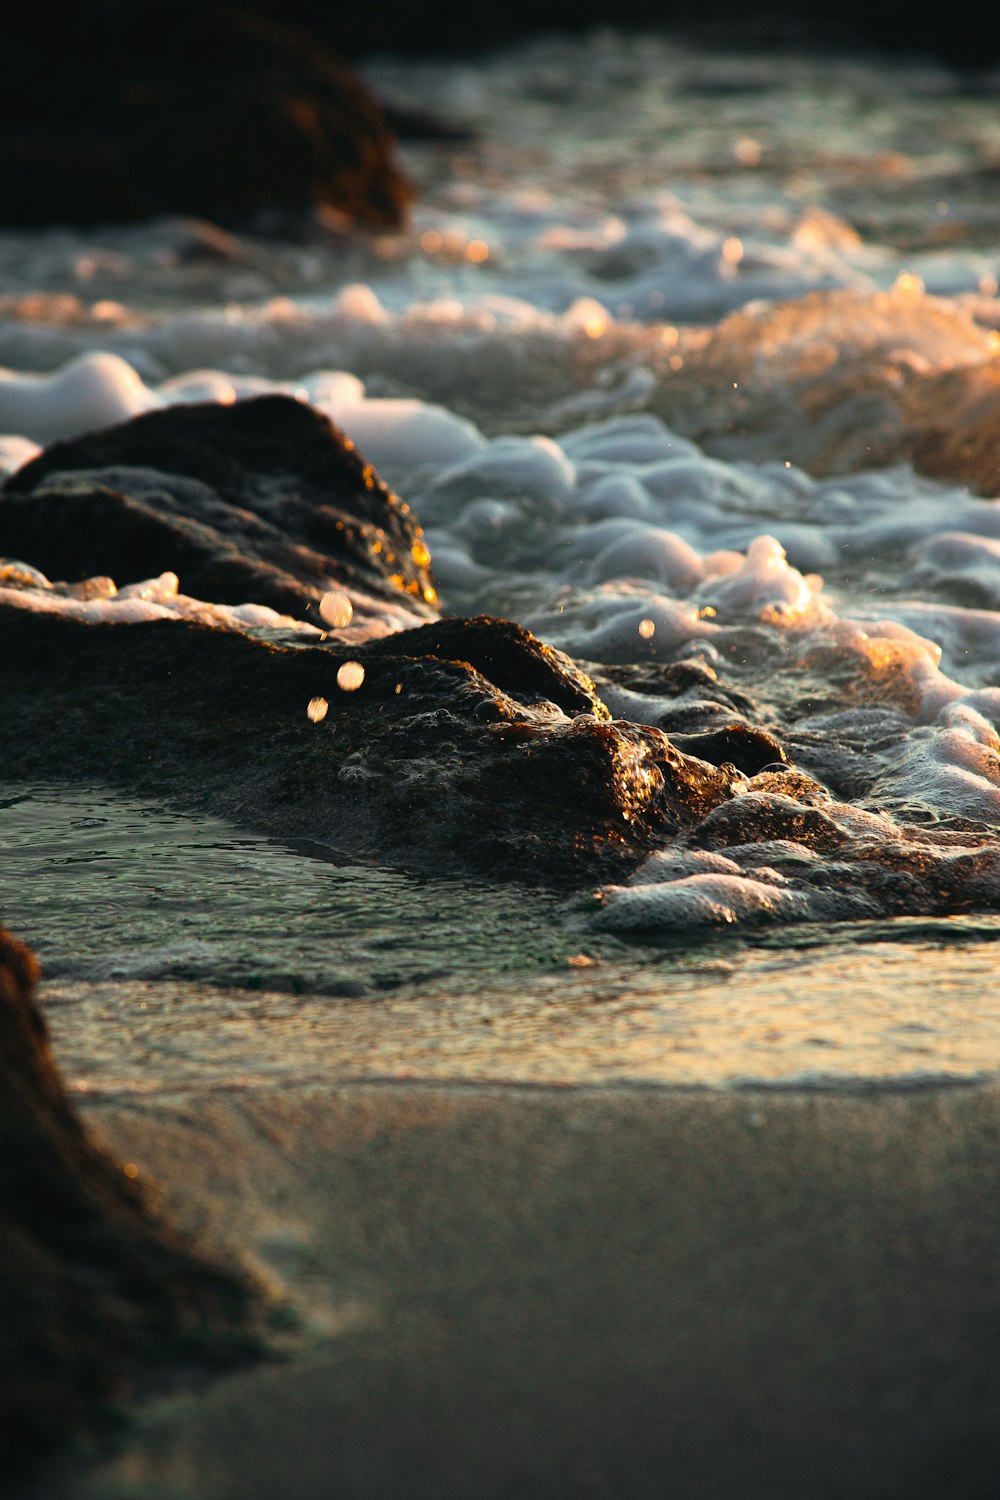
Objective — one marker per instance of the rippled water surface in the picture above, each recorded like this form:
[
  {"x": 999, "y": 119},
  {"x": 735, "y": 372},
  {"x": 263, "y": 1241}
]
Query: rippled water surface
[{"x": 182, "y": 953}]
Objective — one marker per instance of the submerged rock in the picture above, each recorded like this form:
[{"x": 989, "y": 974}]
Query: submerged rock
[
  {"x": 136, "y": 110},
  {"x": 263, "y": 502},
  {"x": 98, "y": 1297}
]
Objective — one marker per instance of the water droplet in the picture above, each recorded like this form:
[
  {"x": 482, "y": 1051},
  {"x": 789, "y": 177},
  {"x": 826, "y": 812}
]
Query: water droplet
[
  {"x": 336, "y": 609},
  {"x": 647, "y": 629},
  {"x": 908, "y": 284},
  {"x": 747, "y": 151},
  {"x": 350, "y": 676},
  {"x": 317, "y": 709}
]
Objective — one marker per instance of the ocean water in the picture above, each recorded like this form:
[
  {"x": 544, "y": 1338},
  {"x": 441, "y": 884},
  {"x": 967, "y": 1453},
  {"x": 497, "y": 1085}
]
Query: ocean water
[
  {"x": 653, "y": 364},
  {"x": 187, "y": 955}
]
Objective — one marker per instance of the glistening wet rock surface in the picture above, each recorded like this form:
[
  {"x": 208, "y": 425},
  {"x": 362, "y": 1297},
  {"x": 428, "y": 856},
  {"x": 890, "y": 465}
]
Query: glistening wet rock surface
[
  {"x": 263, "y": 501},
  {"x": 427, "y": 758}
]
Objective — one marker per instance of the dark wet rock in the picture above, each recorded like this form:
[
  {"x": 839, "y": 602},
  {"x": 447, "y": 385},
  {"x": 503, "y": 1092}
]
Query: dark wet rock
[
  {"x": 468, "y": 740},
  {"x": 673, "y": 680},
  {"x": 98, "y": 1298},
  {"x": 749, "y": 749},
  {"x": 507, "y": 655},
  {"x": 758, "y": 818},
  {"x": 122, "y": 111},
  {"x": 407, "y": 766},
  {"x": 264, "y": 502},
  {"x": 955, "y": 424},
  {"x": 917, "y": 873}
]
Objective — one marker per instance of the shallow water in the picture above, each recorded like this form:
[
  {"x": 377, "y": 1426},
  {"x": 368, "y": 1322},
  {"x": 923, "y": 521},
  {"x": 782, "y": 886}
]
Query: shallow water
[{"x": 181, "y": 954}]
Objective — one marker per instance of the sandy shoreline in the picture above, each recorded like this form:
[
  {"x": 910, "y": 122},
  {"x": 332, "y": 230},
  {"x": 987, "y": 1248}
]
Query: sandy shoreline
[{"x": 608, "y": 1292}]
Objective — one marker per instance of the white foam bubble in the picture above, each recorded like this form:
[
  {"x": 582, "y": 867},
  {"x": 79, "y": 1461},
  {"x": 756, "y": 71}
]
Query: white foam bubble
[
  {"x": 701, "y": 900},
  {"x": 100, "y": 603},
  {"x": 398, "y": 435},
  {"x": 93, "y": 390}
]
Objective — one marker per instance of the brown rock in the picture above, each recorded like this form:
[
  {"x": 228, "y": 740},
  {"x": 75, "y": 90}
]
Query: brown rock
[{"x": 134, "y": 111}]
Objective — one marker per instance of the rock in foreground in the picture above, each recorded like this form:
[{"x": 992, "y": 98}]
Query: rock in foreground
[{"x": 98, "y": 1300}]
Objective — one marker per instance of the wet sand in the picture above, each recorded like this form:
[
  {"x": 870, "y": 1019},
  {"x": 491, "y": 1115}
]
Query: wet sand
[{"x": 608, "y": 1292}]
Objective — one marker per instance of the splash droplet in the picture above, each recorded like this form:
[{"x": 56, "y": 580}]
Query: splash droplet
[
  {"x": 317, "y": 709},
  {"x": 908, "y": 284},
  {"x": 350, "y": 676},
  {"x": 647, "y": 629},
  {"x": 336, "y": 609}
]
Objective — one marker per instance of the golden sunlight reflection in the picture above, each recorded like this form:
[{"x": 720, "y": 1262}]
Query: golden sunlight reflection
[
  {"x": 350, "y": 676},
  {"x": 892, "y": 1011},
  {"x": 317, "y": 709}
]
